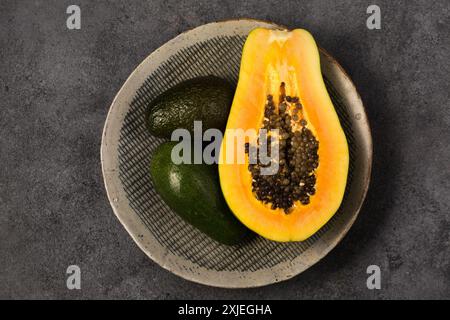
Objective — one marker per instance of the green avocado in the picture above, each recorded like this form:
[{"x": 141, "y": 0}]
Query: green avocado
[
  {"x": 193, "y": 192},
  {"x": 206, "y": 99}
]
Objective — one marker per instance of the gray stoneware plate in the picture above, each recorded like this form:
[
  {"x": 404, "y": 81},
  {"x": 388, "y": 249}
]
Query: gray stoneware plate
[{"x": 127, "y": 147}]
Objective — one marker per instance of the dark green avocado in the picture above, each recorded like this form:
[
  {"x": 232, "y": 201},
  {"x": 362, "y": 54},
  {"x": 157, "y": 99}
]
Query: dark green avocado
[
  {"x": 206, "y": 99},
  {"x": 193, "y": 192}
]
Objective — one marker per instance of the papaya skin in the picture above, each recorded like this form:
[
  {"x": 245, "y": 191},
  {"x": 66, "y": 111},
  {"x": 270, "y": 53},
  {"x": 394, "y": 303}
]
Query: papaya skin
[{"x": 269, "y": 58}]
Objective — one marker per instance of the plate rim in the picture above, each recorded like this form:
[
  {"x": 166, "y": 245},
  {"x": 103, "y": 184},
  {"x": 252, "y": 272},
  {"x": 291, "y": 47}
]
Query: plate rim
[{"x": 135, "y": 228}]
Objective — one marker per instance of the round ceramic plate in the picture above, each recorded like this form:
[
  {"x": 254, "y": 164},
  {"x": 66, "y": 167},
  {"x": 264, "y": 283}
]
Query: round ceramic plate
[{"x": 215, "y": 49}]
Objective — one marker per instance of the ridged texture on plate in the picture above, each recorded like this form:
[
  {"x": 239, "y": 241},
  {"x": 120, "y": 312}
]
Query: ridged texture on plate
[{"x": 218, "y": 56}]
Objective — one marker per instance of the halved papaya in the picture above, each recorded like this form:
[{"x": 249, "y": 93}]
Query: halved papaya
[{"x": 281, "y": 87}]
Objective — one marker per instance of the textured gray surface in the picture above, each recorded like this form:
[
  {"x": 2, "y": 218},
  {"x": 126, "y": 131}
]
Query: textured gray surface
[{"x": 56, "y": 86}]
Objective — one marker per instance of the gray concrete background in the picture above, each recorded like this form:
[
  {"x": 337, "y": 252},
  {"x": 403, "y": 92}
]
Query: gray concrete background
[{"x": 56, "y": 86}]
